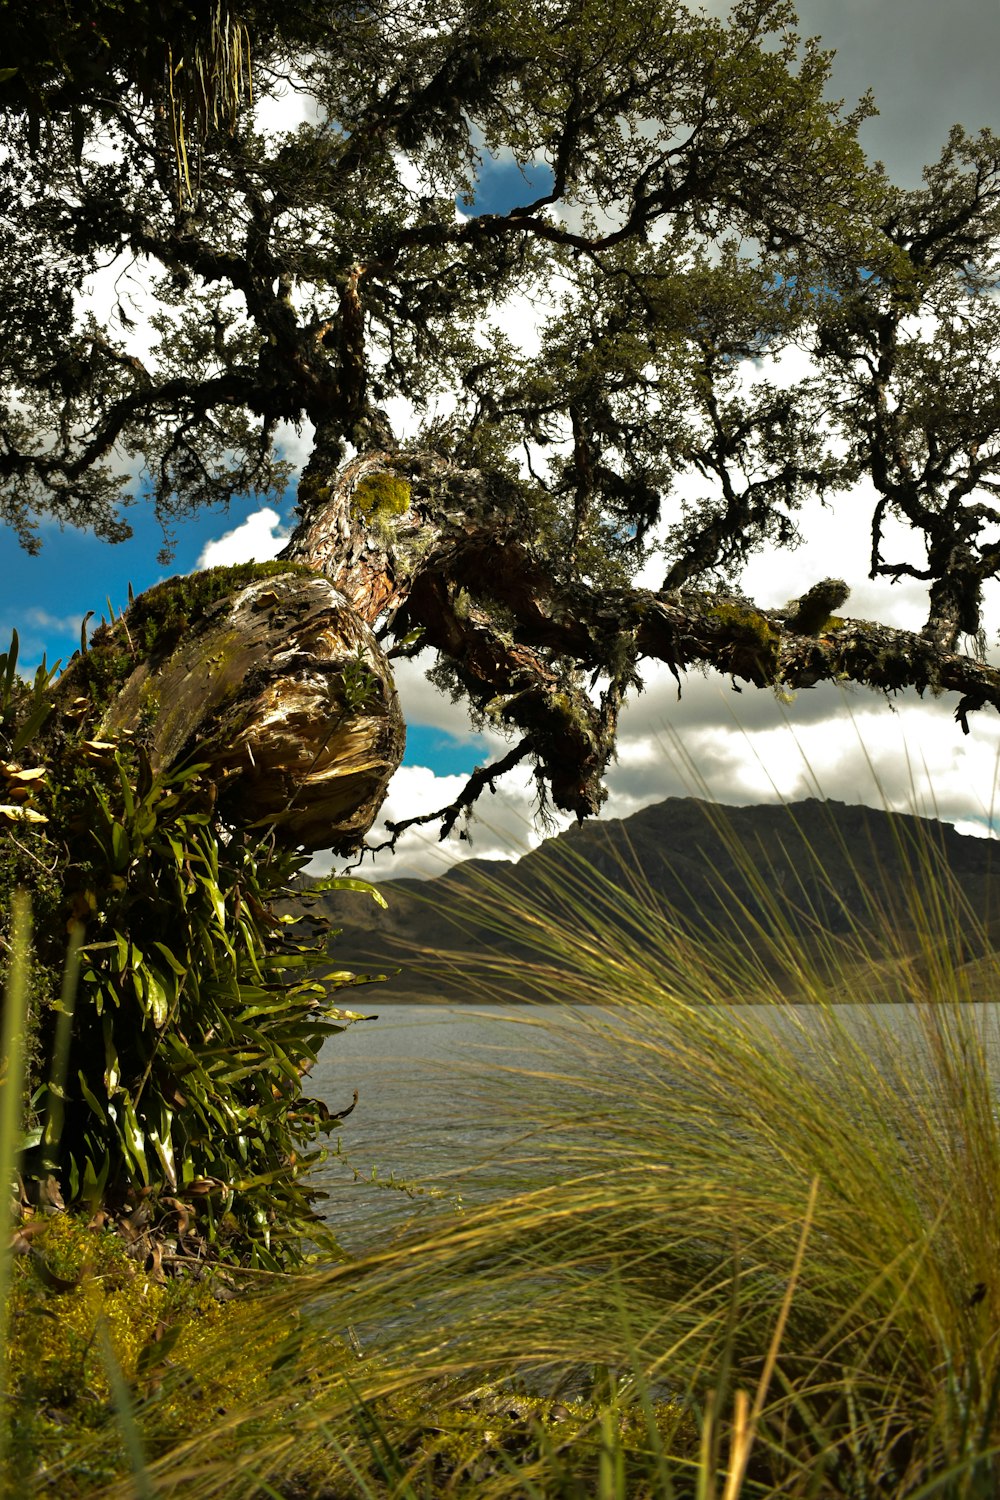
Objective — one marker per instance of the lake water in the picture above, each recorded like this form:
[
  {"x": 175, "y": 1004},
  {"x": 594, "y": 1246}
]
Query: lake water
[
  {"x": 435, "y": 1084},
  {"x": 461, "y": 1104}
]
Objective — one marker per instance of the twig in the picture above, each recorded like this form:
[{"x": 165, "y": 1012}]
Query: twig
[{"x": 477, "y": 783}]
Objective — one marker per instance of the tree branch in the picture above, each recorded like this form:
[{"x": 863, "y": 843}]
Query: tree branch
[{"x": 481, "y": 778}]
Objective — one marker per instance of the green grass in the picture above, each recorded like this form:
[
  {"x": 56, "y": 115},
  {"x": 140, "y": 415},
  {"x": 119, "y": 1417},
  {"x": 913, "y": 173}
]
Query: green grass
[{"x": 737, "y": 1258}]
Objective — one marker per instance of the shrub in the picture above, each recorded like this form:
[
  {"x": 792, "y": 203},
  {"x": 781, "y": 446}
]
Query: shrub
[{"x": 197, "y": 1010}]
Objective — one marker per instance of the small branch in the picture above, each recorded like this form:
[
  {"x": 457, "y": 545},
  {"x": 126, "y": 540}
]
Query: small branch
[{"x": 485, "y": 776}]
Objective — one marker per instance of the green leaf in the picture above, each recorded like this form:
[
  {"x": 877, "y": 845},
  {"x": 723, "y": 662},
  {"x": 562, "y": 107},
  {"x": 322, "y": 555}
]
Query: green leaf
[
  {"x": 347, "y": 883},
  {"x": 32, "y": 724},
  {"x": 134, "y": 1139},
  {"x": 125, "y": 780},
  {"x": 155, "y": 1000},
  {"x": 252, "y": 1012},
  {"x": 121, "y": 848},
  {"x": 9, "y": 669},
  {"x": 112, "y": 1070},
  {"x": 163, "y": 1146},
  {"x": 170, "y": 958},
  {"x": 94, "y": 1178},
  {"x": 91, "y": 1098}
]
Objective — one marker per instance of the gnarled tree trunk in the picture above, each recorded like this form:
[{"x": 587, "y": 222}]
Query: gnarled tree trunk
[{"x": 277, "y": 683}]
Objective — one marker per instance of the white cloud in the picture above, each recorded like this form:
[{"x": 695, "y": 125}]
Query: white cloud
[
  {"x": 852, "y": 746},
  {"x": 294, "y": 442},
  {"x": 504, "y": 827},
  {"x": 257, "y": 539},
  {"x": 44, "y": 620},
  {"x": 422, "y": 703}
]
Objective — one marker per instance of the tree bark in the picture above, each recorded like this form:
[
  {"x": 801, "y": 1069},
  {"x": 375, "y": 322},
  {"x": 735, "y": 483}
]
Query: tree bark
[{"x": 278, "y": 686}]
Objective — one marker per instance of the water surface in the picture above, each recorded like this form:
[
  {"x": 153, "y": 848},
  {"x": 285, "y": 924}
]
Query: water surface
[{"x": 460, "y": 1104}]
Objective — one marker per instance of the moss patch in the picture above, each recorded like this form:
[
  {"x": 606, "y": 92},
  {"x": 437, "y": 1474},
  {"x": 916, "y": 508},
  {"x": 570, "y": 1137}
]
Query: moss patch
[
  {"x": 379, "y": 497},
  {"x": 755, "y": 640},
  {"x": 185, "y": 1355}
]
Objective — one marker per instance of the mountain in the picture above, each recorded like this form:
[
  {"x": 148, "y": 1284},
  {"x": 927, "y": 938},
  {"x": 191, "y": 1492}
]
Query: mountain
[{"x": 845, "y": 884}]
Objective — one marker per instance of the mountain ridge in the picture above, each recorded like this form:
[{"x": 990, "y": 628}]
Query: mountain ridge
[{"x": 829, "y": 871}]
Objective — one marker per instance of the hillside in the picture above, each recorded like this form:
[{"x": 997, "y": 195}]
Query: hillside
[{"x": 835, "y": 875}]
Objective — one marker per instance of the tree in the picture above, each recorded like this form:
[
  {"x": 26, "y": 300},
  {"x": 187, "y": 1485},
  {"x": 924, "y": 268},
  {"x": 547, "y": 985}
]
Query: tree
[{"x": 702, "y": 206}]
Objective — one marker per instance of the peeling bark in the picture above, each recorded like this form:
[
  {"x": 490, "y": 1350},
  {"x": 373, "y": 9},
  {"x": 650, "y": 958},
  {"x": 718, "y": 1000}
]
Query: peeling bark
[{"x": 283, "y": 691}]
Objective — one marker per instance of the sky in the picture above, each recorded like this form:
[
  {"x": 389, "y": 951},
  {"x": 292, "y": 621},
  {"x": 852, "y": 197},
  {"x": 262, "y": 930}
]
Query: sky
[{"x": 930, "y": 66}]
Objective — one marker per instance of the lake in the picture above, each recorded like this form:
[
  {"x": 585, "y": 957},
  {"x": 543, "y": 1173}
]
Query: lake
[{"x": 461, "y": 1104}]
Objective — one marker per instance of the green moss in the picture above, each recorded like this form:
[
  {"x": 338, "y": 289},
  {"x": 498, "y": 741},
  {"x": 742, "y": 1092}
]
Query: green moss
[
  {"x": 160, "y": 616},
  {"x": 755, "y": 640},
  {"x": 748, "y": 621},
  {"x": 380, "y": 497},
  {"x": 76, "y": 1280}
]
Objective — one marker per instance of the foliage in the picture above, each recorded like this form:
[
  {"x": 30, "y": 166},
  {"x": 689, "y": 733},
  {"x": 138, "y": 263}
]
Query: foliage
[
  {"x": 732, "y": 1257},
  {"x": 198, "y": 1009},
  {"x": 80, "y": 1300},
  {"x": 351, "y": 285},
  {"x": 193, "y": 57}
]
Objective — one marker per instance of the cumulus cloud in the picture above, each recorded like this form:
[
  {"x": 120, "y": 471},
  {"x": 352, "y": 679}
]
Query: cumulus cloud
[
  {"x": 850, "y": 745},
  {"x": 845, "y": 744},
  {"x": 504, "y": 828},
  {"x": 294, "y": 442},
  {"x": 929, "y": 66},
  {"x": 257, "y": 539},
  {"x": 422, "y": 703}
]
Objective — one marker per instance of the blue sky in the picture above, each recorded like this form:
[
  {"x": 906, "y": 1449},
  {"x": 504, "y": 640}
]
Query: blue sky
[{"x": 46, "y": 596}]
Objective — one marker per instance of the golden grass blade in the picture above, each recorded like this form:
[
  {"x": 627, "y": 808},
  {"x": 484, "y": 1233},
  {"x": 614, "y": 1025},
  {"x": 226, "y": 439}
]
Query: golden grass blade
[{"x": 744, "y": 1427}]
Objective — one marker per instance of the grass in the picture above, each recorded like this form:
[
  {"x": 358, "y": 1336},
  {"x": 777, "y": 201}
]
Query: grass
[{"x": 742, "y": 1253}]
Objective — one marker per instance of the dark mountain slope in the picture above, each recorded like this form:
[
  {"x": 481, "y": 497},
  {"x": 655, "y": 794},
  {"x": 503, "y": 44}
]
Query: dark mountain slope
[{"x": 824, "y": 871}]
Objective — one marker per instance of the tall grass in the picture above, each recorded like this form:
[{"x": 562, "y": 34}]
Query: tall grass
[
  {"x": 12, "y": 1053},
  {"x": 743, "y": 1251}
]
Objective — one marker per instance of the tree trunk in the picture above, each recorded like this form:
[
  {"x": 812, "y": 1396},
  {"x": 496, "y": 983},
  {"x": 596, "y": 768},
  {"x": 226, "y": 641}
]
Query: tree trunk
[
  {"x": 276, "y": 683},
  {"x": 272, "y": 675}
]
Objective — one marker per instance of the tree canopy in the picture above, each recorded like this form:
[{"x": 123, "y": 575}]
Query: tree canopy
[{"x": 692, "y": 204}]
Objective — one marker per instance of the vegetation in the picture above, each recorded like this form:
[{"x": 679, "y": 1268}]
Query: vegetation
[
  {"x": 729, "y": 1262},
  {"x": 169, "y": 1071},
  {"x": 732, "y": 1258},
  {"x": 702, "y": 1192}
]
